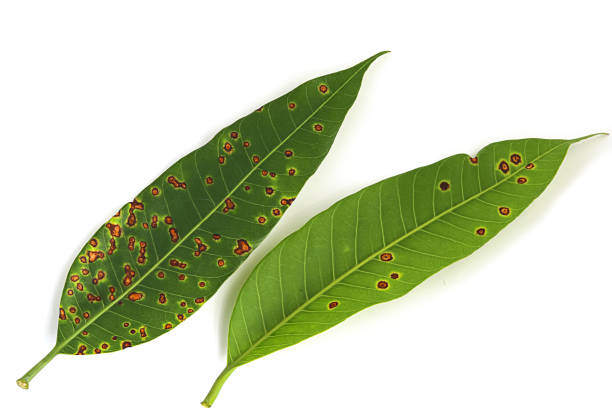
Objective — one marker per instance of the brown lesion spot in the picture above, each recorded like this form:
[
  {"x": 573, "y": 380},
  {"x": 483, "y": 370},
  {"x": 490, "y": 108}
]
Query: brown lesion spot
[
  {"x": 62, "y": 313},
  {"x": 530, "y": 166},
  {"x": 228, "y": 147},
  {"x": 93, "y": 242},
  {"x": 292, "y": 105},
  {"x": 324, "y": 89},
  {"x": 81, "y": 350},
  {"x": 261, "y": 220},
  {"x": 317, "y": 127},
  {"x": 504, "y": 211},
  {"x": 288, "y": 153},
  {"x": 256, "y": 159},
  {"x": 276, "y": 212},
  {"x": 93, "y": 256},
  {"x": 234, "y": 135},
  {"x": 155, "y": 191},
  {"x": 136, "y": 296},
  {"x": 394, "y": 275},
  {"x": 93, "y": 298},
  {"x": 291, "y": 172},
  {"x": 503, "y": 167},
  {"x": 168, "y": 326},
  {"x": 516, "y": 159},
  {"x": 125, "y": 344},
  {"x": 178, "y": 264},
  {"x": 269, "y": 190},
  {"x": 142, "y": 253},
  {"x": 386, "y": 256},
  {"x": 129, "y": 275},
  {"x": 221, "y": 159},
  {"x": 112, "y": 246},
  {"x": 481, "y": 231},
  {"x": 332, "y": 305},
  {"x": 216, "y": 237},
  {"x": 382, "y": 284},
  {"x": 143, "y": 332},
  {"x": 220, "y": 263},
  {"x": 474, "y": 160},
  {"x": 114, "y": 229},
  {"x": 209, "y": 180},
  {"x": 444, "y": 185},
  {"x": 174, "y": 182},
  {"x": 162, "y": 299},
  {"x": 200, "y": 300},
  {"x": 242, "y": 247},
  {"x": 521, "y": 180},
  {"x": 287, "y": 201},
  {"x": 174, "y": 236}
]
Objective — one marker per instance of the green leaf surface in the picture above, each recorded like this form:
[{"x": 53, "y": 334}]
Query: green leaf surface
[
  {"x": 161, "y": 256},
  {"x": 381, "y": 242}
]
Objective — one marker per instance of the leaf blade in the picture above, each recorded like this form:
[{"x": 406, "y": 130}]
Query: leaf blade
[
  {"x": 379, "y": 243},
  {"x": 164, "y": 254}
]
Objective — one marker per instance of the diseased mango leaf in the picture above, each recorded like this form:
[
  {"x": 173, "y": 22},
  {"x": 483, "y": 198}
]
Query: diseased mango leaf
[
  {"x": 381, "y": 242},
  {"x": 161, "y": 256}
]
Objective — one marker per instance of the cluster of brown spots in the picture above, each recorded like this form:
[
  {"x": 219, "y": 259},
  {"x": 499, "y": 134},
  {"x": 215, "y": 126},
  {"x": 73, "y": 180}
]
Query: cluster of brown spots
[
  {"x": 382, "y": 284},
  {"x": 93, "y": 242},
  {"x": 182, "y": 277},
  {"x": 255, "y": 159},
  {"x": 220, "y": 262},
  {"x": 332, "y": 305},
  {"x": 112, "y": 247},
  {"x": 292, "y": 105},
  {"x": 216, "y": 237},
  {"x": 504, "y": 167},
  {"x": 79, "y": 286},
  {"x": 287, "y": 201},
  {"x": 143, "y": 332},
  {"x": 86, "y": 315},
  {"x": 229, "y": 205},
  {"x": 134, "y": 205},
  {"x": 131, "y": 242},
  {"x": 276, "y": 212},
  {"x": 161, "y": 275},
  {"x": 142, "y": 253},
  {"x": 261, "y": 220},
  {"x": 386, "y": 257},
  {"x": 175, "y": 183},
  {"x": 135, "y": 296},
  {"x": 234, "y": 135},
  {"x": 288, "y": 153},
  {"x": 504, "y": 210},
  {"x": 209, "y": 180},
  {"x": 70, "y": 292},
  {"x": 74, "y": 278},
  {"x": 201, "y": 284},
  {"x": 168, "y": 326},
  {"x": 228, "y": 147},
  {"x": 521, "y": 180},
  {"x": 93, "y": 256},
  {"x": 242, "y": 247},
  {"x": 269, "y": 190},
  {"x": 168, "y": 220},
  {"x": 155, "y": 191},
  {"x": 174, "y": 236},
  {"x": 125, "y": 344},
  {"x": 111, "y": 296},
  {"x": 201, "y": 246},
  {"x": 246, "y": 143},
  {"x": 516, "y": 159},
  {"x": 81, "y": 350},
  {"x": 162, "y": 299},
  {"x": 530, "y": 166},
  {"x": 178, "y": 264},
  {"x": 62, "y": 314},
  {"x": 129, "y": 275},
  {"x": 221, "y": 159},
  {"x": 394, "y": 275},
  {"x": 323, "y": 88},
  {"x": 180, "y": 317},
  {"x": 291, "y": 172},
  {"x": 444, "y": 186},
  {"x": 481, "y": 231},
  {"x": 93, "y": 298},
  {"x": 317, "y": 127}
]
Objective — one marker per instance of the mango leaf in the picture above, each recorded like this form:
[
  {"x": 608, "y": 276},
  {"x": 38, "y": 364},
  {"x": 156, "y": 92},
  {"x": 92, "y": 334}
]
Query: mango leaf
[
  {"x": 161, "y": 256},
  {"x": 381, "y": 242}
]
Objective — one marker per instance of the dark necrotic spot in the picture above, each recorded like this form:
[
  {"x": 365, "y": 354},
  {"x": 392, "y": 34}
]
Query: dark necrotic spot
[
  {"x": 504, "y": 167},
  {"x": 332, "y": 305},
  {"x": 516, "y": 159},
  {"x": 386, "y": 257},
  {"x": 521, "y": 180},
  {"x": 504, "y": 210},
  {"x": 394, "y": 275},
  {"x": 382, "y": 284},
  {"x": 444, "y": 186},
  {"x": 481, "y": 231}
]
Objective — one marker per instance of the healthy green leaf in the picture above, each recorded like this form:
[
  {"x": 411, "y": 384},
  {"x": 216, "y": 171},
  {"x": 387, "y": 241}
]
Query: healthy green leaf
[
  {"x": 381, "y": 242},
  {"x": 161, "y": 256}
]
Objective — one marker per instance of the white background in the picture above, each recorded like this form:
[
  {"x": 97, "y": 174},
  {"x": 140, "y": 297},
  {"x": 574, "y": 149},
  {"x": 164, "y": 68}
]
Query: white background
[{"x": 96, "y": 99}]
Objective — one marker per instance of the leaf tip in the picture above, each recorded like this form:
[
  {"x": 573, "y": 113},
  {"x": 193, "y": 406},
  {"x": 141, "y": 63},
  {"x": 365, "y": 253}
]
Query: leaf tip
[
  {"x": 23, "y": 383},
  {"x": 589, "y": 136}
]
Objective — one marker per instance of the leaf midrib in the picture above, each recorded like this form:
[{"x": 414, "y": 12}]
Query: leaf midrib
[
  {"x": 290, "y": 316},
  {"x": 59, "y": 347}
]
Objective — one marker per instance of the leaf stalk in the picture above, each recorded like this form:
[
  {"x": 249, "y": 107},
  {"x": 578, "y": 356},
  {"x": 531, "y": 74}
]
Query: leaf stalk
[
  {"x": 214, "y": 391},
  {"x": 24, "y": 382}
]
